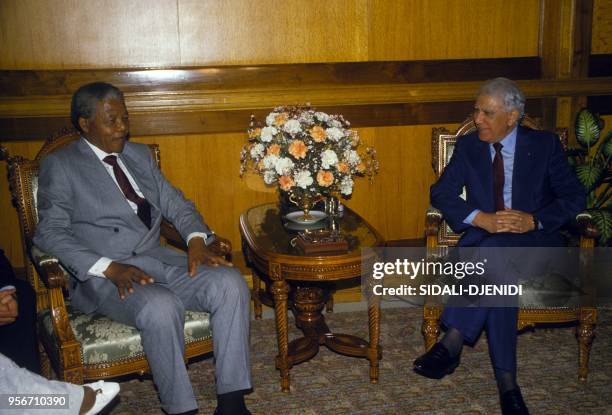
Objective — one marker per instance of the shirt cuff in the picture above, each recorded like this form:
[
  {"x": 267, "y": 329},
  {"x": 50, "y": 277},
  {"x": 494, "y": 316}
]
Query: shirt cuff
[
  {"x": 537, "y": 225},
  {"x": 470, "y": 218},
  {"x": 99, "y": 267},
  {"x": 7, "y": 288},
  {"x": 208, "y": 237}
]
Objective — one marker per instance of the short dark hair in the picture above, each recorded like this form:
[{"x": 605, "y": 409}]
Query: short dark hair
[{"x": 85, "y": 99}]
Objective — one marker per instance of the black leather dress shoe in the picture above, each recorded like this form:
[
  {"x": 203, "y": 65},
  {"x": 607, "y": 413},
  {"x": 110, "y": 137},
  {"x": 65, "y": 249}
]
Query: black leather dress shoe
[
  {"x": 218, "y": 412},
  {"x": 512, "y": 403},
  {"x": 436, "y": 363}
]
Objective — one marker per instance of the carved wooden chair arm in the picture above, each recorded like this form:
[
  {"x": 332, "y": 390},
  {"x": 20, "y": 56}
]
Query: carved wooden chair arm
[
  {"x": 221, "y": 246},
  {"x": 585, "y": 227},
  {"x": 433, "y": 219},
  {"x": 48, "y": 268},
  {"x": 55, "y": 279}
]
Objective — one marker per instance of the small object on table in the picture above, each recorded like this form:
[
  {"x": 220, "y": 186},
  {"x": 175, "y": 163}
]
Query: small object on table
[{"x": 321, "y": 242}]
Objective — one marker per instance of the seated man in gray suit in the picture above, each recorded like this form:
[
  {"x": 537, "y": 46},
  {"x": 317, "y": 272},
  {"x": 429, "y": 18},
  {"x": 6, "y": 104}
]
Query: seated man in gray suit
[{"x": 100, "y": 203}]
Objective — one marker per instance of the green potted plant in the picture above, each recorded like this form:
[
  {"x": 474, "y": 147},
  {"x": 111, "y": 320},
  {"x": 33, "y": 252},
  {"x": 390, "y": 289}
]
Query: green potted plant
[{"x": 591, "y": 161}]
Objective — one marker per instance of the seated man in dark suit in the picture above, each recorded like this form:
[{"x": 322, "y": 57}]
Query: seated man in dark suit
[
  {"x": 101, "y": 200},
  {"x": 520, "y": 192},
  {"x": 18, "y": 339}
]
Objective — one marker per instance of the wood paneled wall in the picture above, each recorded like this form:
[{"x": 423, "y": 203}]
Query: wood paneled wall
[
  {"x": 601, "y": 41},
  {"x": 58, "y": 34}
]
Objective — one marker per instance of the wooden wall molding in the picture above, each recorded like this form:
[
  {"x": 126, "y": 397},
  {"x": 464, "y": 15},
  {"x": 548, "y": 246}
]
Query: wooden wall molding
[
  {"x": 329, "y": 95},
  {"x": 65, "y": 82},
  {"x": 205, "y": 100}
]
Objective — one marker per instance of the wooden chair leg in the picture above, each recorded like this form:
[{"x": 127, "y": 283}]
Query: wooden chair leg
[
  {"x": 585, "y": 333},
  {"x": 431, "y": 324}
]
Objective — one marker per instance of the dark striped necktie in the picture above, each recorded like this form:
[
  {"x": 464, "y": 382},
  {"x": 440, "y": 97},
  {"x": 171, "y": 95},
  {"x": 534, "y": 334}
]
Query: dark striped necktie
[
  {"x": 144, "y": 208},
  {"x": 498, "y": 177}
]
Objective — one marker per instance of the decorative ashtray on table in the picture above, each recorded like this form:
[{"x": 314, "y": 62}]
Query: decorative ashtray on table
[{"x": 322, "y": 241}]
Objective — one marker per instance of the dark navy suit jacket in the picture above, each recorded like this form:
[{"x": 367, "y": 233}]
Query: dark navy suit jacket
[{"x": 543, "y": 184}]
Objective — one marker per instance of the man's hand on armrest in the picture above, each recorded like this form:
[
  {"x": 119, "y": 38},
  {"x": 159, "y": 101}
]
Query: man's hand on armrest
[
  {"x": 199, "y": 254},
  {"x": 124, "y": 275}
]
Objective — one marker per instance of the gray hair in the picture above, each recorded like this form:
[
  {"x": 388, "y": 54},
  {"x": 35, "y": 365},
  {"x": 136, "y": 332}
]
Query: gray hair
[
  {"x": 506, "y": 89},
  {"x": 86, "y": 98}
]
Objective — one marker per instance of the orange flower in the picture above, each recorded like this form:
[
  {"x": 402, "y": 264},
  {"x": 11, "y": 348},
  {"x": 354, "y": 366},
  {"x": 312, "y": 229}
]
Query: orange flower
[
  {"x": 343, "y": 167},
  {"x": 298, "y": 149},
  {"x": 318, "y": 133},
  {"x": 285, "y": 183},
  {"x": 361, "y": 167},
  {"x": 274, "y": 149},
  {"x": 281, "y": 118},
  {"x": 325, "y": 178},
  {"x": 254, "y": 132}
]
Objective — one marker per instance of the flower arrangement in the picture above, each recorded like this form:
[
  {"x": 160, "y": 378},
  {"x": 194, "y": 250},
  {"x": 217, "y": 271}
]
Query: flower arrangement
[{"x": 306, "y": 153}]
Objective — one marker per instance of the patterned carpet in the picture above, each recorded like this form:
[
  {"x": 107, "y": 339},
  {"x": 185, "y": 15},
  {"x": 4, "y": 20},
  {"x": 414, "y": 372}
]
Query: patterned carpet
[{"x": 335, "y": 384}]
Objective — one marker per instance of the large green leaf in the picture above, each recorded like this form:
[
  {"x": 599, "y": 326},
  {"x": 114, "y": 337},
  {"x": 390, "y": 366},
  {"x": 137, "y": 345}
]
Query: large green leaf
[
  {"x": 589, "y": 175},
  {"x": 587, "y": 128},
  {"x": 607, "y": 146},
  {"x": 603, "y": 221}
]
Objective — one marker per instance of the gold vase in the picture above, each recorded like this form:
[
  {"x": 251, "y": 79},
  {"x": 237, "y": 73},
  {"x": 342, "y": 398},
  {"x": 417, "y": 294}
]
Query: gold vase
[{"x": 305, "y": 203}]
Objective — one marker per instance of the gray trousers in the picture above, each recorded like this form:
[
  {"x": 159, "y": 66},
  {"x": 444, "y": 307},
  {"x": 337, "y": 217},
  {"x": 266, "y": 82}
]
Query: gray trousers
[
  {"x": 16, "y": 380},
  {"x": 158, "y": 312}
]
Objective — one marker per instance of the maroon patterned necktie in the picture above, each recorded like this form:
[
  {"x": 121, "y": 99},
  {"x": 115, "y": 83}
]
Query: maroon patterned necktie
[
  {"x": 144, "y": 208},
  {"x": 498, "y": 177}
]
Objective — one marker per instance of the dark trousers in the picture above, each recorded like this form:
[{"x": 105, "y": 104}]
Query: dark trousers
[
  {"x": 500, "y": 323},
  {"x": 18, "y": 339}
]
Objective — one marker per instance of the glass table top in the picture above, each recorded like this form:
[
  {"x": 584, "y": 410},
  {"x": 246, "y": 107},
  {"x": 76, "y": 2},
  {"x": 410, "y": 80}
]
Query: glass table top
[{"x": 271, "y": 232}]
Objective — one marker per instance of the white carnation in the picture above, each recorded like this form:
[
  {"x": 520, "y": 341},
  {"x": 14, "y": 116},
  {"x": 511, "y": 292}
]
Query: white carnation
[
  {"x": 322, "y": 116},
  {"x": 269, "y": 176},
  {"x": 268, "y": 133},
  {"x": 283, "y": 166},
  {"x": 346, "y": 185},
  {"x": 292, "y": 127},
  {"x": 269, "y": 161},
  {"x": 352, "y": 157},
  {"x": 303, "y": 179},
  {"x": 328, "y": 159},
  {"x": 335, "y": 123},
  {"x": 271, "y": 118},
  {"x": 306, "y": 118},
  {"x": 334, "y": 134},
  {"x": 257, "y": 151}
]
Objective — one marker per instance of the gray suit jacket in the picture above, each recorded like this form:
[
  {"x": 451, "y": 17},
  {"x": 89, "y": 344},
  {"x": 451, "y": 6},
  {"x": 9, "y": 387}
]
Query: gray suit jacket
[{"x": 83, "y": 216}]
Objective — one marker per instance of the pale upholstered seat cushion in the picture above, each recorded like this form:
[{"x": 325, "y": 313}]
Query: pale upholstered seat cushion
[
  {"x": 104, "y": 340},
  {"x": 550, "y": 291}
]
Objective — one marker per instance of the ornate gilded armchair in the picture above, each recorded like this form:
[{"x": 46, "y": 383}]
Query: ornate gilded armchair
[
  {"x": 80, "y": 346},
  {"x": 439, "y": 234}
]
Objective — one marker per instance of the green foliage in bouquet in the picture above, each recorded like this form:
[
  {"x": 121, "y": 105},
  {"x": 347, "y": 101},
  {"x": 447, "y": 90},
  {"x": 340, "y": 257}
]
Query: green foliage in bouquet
[{"x": 591, "y": 161}]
